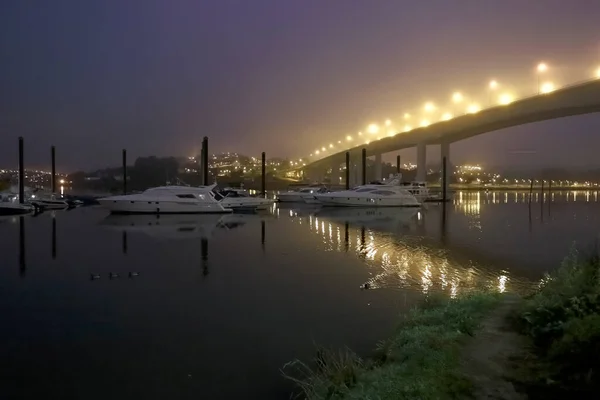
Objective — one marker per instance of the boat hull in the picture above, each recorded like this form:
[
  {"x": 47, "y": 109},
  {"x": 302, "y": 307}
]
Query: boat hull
[
  {"x": 15, "y": 209},
  {"x": 50, "y": 205},
  {"x": 246, "y": 203},
  {"x": 290, "y": 198}
]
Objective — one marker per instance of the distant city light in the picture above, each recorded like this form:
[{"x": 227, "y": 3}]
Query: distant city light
[
  {"x": 331, "y": 146},
  {"x": 424, "y": 123},
  {"x": 359, "y": 133},
  {"x": 339, "y": 141},
  {"x": 446, "y": 116},
  {"x": 323, "y": 149},
  {"x": 317, "y": 152},
  {"x": 429, "y": 107},
  {"x": 547, "y": 87},
  {"x": 457, "y": 97},
  {"x": 373, "y": 128},
  {"x": 406, "y": 115},
  {"x": 473, "y": 108},
  {"x": 407, "y": 128},
  {"x": 391, "y": 133},
  {"x": 367, "y": 142},
  {"x": 349, "y": 138},
  {"x": 598, "y": 73},
  {"x": 505, "y": 99},
  {"x": 388, "y": 122},
  {"x": 493, "y": 84}
]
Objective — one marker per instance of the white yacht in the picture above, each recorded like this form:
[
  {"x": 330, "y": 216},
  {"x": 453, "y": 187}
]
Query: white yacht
[
  {"x": 373, "y": 195},
  {"x": 417, "y": 189},
  {"x": 166, "y": 200},
  {"x": 301, "y": 194},
  {"x": 240, "y": 199}
]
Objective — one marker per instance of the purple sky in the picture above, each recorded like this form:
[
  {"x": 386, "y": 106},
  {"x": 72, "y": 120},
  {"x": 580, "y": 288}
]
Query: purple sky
[{"x": 281, "y": 76}]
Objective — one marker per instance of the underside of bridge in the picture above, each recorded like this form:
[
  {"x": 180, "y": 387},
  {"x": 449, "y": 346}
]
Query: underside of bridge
[{"x": 569, "y": 101}]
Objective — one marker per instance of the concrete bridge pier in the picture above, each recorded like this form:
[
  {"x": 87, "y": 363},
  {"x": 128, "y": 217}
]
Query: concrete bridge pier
[
  {"x": 378, "y": 167},
  {"x": 421, "y": 162},
  {"x": 445, "y": 152}
]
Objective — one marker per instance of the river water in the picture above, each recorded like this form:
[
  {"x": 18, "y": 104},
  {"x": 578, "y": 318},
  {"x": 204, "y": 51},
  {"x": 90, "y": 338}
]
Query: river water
[{"x": 221, "y": 303}]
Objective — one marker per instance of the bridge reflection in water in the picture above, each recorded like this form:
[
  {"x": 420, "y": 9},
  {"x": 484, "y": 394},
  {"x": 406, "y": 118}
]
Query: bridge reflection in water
[{"x": 393, "y": 244}]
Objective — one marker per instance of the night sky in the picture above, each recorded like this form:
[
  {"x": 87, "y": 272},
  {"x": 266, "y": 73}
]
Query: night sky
[{"x": 281, "y": 76}]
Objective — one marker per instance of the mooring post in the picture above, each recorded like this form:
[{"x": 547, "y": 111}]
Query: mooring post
[
  {"x": 21, "y": 172},
  {"x": 53, "y": 158},
  {"x": 205, "y": 161},
  {"x": 124, "y": 171},
  {"x": 398, "y": 163},
  {"x": 530, "y": 191},
  {"x": 263, "y": 180},
  {"x": 54, "y": 237},
  {"x": 22, "y": 267},
  {"x": 444, "y": 180},
  {"x": 364, "y": 166},
  {"x": 347, "y": 170}
]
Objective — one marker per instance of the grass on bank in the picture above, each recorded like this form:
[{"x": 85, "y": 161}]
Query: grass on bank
[
  {"x": 562, "y": 318},
  {"x": 420, "y": 361}
]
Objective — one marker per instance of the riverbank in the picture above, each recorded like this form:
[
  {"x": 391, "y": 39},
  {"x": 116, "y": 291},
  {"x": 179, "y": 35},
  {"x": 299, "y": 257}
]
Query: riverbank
[{"x": 481, "y": 345}]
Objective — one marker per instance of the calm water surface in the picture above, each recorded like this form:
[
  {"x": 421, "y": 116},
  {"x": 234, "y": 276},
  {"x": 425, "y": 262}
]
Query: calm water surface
[{"x": 221, "y": 303}]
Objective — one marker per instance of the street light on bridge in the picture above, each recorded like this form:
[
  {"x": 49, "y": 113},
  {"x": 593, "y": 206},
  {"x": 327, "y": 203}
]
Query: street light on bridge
[
  {"x": 541, "y": 68},
  {"x": 547, "y": 87},
  {"x": 473, "y": 108},
  {"x": 424, "y": 123},
  {"x": 373, "y": 129},
  {"x": 505, "y": 99},
  {"x": 457, "y": 97},
  {"x": 493, "y": 86},
  {"x": 429, "y": 107},
  {"x": 349, "y": 138}
]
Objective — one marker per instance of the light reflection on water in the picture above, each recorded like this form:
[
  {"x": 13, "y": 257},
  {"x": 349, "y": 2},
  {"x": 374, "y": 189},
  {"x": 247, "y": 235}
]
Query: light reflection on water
[
  {"x": 393, "y": 260},
  {"x": 391, "y": 244}
]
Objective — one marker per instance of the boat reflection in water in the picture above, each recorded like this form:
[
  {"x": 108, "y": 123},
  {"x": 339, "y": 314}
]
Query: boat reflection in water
[
  {"x": 398, "y": 253},
  {"x": 175, "y": 227},
  {"x": 374, "y": 218}
]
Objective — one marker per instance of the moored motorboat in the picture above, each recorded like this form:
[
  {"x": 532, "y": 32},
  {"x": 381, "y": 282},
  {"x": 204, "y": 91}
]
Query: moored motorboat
[
  {"x": 166, "y": 200},
  {"x": 300, "y": 195},
  {"x": 373, "y": 195},
  {"x": 48, "y": 202},
  {"x": 240, "y": 199}
]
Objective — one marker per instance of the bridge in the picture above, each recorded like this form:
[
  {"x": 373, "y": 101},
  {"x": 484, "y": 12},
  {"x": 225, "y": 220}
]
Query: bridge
[{"x": 577, "y": 99}]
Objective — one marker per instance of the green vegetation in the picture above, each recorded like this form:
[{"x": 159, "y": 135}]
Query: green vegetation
[
  {"x": 420, "y": 361},
  {"x": 563, "y": 321}
]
